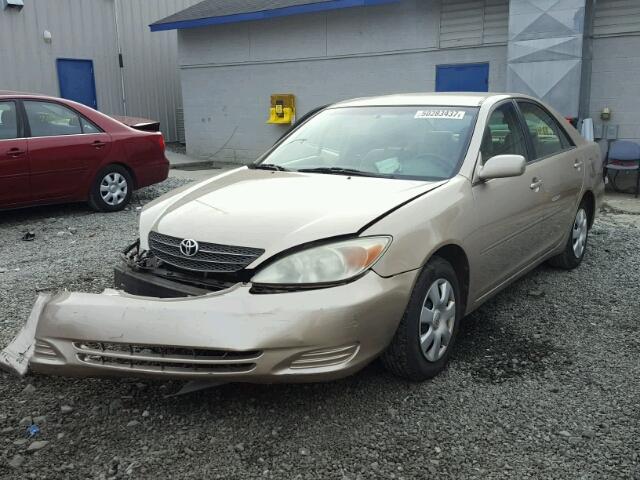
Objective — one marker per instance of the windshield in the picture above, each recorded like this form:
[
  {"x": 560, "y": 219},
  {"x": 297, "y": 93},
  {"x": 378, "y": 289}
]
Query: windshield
[{"x": 396, "y": 142}]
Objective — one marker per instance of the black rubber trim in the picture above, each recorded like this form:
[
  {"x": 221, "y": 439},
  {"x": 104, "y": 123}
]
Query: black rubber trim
[{"x": 148, "y": 285}]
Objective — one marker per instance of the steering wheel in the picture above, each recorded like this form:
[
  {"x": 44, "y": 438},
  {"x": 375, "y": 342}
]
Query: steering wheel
[{"x": 441, "y": 161}]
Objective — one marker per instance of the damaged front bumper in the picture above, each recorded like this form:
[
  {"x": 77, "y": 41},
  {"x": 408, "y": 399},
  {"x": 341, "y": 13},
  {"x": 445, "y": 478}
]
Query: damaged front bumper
[{"x": 232, "y": 335}]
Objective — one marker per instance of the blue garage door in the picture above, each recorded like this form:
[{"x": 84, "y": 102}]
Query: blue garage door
[
  {"x": 470, "y": 77},
  {"x": 77, "y": 81}
]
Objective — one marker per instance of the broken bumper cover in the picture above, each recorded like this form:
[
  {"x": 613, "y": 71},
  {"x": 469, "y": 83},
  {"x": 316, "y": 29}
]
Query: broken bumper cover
[{"x": 231, "y": 335}]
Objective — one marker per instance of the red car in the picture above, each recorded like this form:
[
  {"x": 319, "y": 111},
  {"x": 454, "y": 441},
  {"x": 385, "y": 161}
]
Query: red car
[{"x": 54, "y": 150}]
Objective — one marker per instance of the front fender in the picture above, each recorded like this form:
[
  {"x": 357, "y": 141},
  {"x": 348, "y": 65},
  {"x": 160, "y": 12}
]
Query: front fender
[{"x": 420, "y": 228}]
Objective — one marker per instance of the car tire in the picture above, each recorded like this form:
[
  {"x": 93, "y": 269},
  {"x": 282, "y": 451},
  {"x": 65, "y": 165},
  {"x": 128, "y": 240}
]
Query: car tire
[
  {"x": 111, "y": 189},
  {"x": 411, "y": 355},
  {"x": 576, "y": 245}
]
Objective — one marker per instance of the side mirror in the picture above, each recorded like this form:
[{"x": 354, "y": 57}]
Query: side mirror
[{"x": 502, "y": 166}]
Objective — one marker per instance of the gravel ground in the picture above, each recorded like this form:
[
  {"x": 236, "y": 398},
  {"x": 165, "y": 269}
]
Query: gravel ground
[{"x": 544, "y": 383}]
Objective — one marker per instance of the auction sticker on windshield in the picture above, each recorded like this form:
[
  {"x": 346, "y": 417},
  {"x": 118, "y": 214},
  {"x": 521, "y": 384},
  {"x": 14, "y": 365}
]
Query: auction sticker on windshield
[{"x": 441, "y": 113}]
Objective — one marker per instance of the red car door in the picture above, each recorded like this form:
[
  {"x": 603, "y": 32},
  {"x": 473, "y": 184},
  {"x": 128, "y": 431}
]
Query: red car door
[
  {"x": 14, "y": 164},
  {"x": 64, "y": 150}
]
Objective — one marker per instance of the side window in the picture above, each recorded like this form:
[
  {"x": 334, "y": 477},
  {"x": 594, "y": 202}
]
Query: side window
[
  {"x": 48, "y": 119},
  {"x": 88, "y": 127},
  {"x": 547, "y": 135},
  {"x": 503, "y": 135},
  {"x": 8, "y": 121}
]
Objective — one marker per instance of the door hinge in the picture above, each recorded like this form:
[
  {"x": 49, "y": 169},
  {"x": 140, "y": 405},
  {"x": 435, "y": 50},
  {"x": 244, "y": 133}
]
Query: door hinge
[{"x": 121, "y": 60}]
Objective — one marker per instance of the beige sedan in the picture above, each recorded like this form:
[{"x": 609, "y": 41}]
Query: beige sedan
[{"x": 368, "y": 231}]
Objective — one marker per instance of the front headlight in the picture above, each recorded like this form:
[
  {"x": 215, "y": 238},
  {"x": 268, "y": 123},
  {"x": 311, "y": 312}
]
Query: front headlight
[{"x": 330, "y": 263}]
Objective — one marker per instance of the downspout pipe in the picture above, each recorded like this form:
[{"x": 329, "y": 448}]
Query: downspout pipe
[{"x": 120, "y": 57}]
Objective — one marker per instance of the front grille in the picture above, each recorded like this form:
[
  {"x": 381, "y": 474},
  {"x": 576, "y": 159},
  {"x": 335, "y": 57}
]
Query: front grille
[
  {"x": 165, "y": 359},
  {"x": 211, "y": 257}
]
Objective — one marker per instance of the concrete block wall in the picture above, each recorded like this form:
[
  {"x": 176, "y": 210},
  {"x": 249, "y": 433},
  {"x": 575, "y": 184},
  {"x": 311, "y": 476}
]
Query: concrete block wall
[
  {"x": 226, "y": 107},
  {"x": 229, "y": 72}
]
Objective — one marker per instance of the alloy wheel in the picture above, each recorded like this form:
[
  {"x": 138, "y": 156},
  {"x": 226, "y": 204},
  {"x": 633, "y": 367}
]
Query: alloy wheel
[{"x": 437, "y": 320}]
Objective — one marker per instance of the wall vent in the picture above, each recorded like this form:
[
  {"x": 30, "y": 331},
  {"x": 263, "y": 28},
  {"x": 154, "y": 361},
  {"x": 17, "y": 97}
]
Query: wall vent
[{"x": 180, "y": 125}]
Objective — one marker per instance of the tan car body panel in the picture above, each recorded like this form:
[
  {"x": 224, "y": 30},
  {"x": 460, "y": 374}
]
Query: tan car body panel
[
  {"x": 493, "y": 222},
  {"x": 314, "y": 207},
  {"x": 504, "y": 226},
  {"x": 362, "y": 315}
]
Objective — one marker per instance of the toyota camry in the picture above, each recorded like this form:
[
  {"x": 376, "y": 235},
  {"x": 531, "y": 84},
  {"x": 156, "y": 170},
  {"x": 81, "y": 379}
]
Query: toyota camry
[{"x": 370, "y": 230}]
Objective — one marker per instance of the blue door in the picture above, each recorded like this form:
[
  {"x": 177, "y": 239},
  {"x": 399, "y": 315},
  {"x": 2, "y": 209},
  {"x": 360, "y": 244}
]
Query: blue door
[
  {"x": 470, "y": 77},
  {"x": 76, "y": 81}
]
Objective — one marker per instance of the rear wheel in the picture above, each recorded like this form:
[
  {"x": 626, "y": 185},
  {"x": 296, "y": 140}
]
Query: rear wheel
[
  {"x": 422, "y": 344},
  {"x": 111, "y": 189},
  {"x": 576, "y": 245}
]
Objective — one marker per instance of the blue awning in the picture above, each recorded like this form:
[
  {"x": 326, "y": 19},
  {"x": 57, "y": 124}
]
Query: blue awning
[{"x": 220, "y": 12}]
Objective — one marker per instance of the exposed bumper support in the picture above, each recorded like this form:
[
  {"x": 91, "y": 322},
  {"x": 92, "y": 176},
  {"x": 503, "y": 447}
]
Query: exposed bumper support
[
  {"x": 15, "y": 358},
  {"x": 146, "y": 284}
]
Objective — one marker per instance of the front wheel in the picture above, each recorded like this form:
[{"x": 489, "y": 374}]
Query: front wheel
[
  {"x": 423, "y": 342},
  {"x": 576, "y": 245},
  {"x": 111, "y": 189}
]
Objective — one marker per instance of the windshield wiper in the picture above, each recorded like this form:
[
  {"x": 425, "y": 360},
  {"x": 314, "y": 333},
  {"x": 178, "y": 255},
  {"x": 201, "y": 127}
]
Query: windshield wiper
[
  {"x": 338, "y": 171},
  {"x": 269, "y": 166}
]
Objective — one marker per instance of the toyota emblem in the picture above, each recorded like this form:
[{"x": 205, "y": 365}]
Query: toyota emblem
[{"x": 189, "y": 247}]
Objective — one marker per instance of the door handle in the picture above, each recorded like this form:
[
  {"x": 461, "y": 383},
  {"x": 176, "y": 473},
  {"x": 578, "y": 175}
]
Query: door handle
[
  {"x": 15, "y": 152},
  {"x": 535, "y": 184},
  {"x": 98, "y": 144},
  {"x": 578, "y": 164}
]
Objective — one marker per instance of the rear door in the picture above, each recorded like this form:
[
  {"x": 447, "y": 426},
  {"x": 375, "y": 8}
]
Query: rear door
[
  {"x": 562, "y": 169},
  {"x": 14, "y": 164},
  {"x": 508, "y": 233},
  {"x": 64, "y": 150}
]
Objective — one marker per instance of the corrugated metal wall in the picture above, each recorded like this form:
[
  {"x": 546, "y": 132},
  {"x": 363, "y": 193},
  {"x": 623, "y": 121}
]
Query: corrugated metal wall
[
  {"x": 79, "y": 29},
  {"x": 151, "y": 75},
  {"x": 85, "y": 29},
  {"x": 616, "y": 17}
]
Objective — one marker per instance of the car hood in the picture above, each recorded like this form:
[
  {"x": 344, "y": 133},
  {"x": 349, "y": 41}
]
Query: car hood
[{"x": 275, "y": 211}]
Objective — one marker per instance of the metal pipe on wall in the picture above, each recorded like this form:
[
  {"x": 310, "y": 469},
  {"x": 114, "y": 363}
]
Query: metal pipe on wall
[{"x": 120, "y": 58}]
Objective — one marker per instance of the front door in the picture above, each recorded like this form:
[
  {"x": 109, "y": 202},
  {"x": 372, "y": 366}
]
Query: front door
[
  {"x": 508, "y": 232},
  {"x": 14, "y": 161},
  {"x": 77, "y": 81},
  {"x": 64, "y": 148}
]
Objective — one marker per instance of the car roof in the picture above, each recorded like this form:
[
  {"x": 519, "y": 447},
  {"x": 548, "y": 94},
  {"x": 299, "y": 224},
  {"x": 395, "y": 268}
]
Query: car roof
[
  {"x": 13, "y": 94},
  {"x": 462, "y": 99}
]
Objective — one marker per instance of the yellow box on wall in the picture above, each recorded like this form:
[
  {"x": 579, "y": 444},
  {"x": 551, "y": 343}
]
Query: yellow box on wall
[{"x": 283, "y": 109}]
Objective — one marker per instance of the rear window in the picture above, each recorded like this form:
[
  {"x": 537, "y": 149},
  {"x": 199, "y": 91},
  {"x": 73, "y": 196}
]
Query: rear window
[
  {"x": 48, "y": 119},
  {"x": 547, "y": 135}
]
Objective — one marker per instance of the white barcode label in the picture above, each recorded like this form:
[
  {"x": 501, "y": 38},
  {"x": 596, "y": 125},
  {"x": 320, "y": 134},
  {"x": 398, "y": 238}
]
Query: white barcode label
[{"x": 441, "y": 113}]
